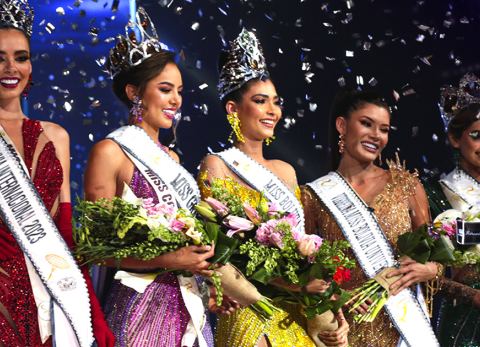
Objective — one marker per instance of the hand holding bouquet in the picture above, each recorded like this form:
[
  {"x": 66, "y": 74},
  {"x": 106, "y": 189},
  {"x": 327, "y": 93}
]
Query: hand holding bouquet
[
  {"x": 132, "y": 227},
  {"x": 267, "y": 245},
  {"x": 427, "y": 243},
  {"x": 227, "y": 224}
]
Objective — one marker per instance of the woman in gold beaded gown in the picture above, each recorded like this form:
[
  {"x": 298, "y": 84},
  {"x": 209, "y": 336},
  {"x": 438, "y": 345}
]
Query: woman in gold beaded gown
[
  {"x": 361, "y": 122},
  {"x": 254, "y": 108}
]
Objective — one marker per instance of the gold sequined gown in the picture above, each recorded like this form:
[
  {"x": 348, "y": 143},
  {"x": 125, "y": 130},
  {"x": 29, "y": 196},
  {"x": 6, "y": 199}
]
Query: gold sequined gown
[
  {"x": 244, "y": 328},
  {"x": 392, "y": 211}
]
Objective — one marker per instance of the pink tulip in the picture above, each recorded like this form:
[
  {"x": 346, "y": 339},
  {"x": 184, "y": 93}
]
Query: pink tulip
[
  {"x": 272, "y": 208},
  {"x": 219, "y": 208},
  {"x": 268, "y": 235},
  {"x": 297, "y": 234},
  {"x": 252, "y": 214},
  {"x": 291, "y": 219},
  {"x": 306, "y": 247},
  {"x": 450, "y": 229},
  {"x": 309, "y": 245},
  {"x": 177, "y": 225},
  {"x": 237, "y": 224}
]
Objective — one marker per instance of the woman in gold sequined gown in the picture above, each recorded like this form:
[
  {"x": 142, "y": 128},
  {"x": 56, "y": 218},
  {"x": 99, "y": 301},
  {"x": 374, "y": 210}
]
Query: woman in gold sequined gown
[
  {"x": 360, "y": 124},
  {"x": 254, "y": 108}
]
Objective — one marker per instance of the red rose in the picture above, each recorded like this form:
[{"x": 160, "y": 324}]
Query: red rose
[
  {"x": 336, "y": 259},
  {"x": 341, "y": 275}
]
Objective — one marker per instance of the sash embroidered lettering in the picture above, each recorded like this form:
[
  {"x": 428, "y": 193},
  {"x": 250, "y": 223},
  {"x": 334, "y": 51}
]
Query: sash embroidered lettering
[
  {"x": 263, "y": 180},
  {"x": 373, "y": 252},
  {"x": 30, "y": 223}
]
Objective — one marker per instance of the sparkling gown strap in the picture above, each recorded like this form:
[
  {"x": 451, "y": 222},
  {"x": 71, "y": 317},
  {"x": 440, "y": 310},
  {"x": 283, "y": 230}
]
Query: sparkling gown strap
[{"x": 31, "y": 130}]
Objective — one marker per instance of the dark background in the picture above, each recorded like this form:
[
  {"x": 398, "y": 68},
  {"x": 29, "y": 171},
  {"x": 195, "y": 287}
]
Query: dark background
[{"x": 404, "y": 48}]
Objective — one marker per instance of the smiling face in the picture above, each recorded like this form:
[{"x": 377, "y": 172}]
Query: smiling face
[
  {"x": 469, "y": 145},
  {"x": 259, "y": 110},
  {"x": 365, "y": 132},
  {"x": 162, "y": 97},
  {"x": 15, "y": 66}
]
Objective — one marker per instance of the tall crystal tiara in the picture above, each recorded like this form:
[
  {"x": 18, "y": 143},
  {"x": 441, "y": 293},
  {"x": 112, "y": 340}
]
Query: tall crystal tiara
[
  {"x": 16, "y": 14},
  {"x": 138, "y": 44},
  {"x": 245, "y": 61},
  {"x": 453, "y": 99}
]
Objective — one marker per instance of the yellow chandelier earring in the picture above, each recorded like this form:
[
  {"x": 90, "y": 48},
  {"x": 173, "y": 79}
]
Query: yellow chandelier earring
[
  {"x": 235, "y": 124},
  {"x": 269, "y": 140}
]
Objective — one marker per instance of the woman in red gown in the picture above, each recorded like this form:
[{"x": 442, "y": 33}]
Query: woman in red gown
[{"x": 44, "y": 148}]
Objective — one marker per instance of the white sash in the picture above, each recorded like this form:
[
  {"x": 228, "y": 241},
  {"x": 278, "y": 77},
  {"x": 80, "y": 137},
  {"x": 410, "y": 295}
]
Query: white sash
[
  {"x": 373, "y": 252},
  {"x": 173, "y": 185},
  {"x": 461, "y": 189},
  {"x": 263, "y": 180},
  {"x": 56, "y": 272}
]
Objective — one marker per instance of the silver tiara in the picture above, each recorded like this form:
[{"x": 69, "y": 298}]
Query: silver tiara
[
  {"x": 245, "y": 61},
  {"x": 138, "y": 44},
  {"x": 17, "y": 14},
  {"x": 453, "y": 99}
]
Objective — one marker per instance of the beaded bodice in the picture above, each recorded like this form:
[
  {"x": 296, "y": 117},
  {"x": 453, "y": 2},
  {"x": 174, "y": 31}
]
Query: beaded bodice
[
  {"x": 47, "y": 179},
  {"x": 391, "y": 207}
]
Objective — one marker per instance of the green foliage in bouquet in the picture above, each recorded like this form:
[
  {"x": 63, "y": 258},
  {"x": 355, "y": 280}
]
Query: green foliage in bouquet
[
  {"x": 422, "y": 246},
  {"x": 117, "y": 229}
]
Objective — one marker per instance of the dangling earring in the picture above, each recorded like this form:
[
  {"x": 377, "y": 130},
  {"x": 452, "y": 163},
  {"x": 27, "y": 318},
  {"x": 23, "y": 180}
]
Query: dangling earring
[
  {"x": 380, "y": 161},
  {"x": 456, "y": 156},
  {"x": 341, "y": 143},
  {"x": 27, "y": 88},
  {"x": 136, "y": 112},
  {"x": 235, "y": 124},
  {"x": 269, "y": 140}
]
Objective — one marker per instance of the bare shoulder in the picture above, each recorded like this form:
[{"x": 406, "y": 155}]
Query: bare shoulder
[
  {"x": 211, "y": 161},
  {"x": 214, "y": 166},
  {"x": 285, "y": 172},
  {"x": 174, "y": 155},
  {"x": 55, "y": 132},
  {"x": 285, "y": 168},
  {"x": 106, "y": 148}
]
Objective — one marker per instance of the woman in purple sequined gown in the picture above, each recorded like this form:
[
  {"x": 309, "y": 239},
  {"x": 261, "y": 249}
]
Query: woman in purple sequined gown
[
  {"x": 160, "y": 307},
  {"x": 150, "y": 84}
]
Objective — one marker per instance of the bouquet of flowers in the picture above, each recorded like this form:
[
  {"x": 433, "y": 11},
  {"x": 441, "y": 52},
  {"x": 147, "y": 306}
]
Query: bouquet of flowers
[
  {"x": 266, "y": 244},
  {"x": 446, "y": 224},
  {"x": 427, "y": 243},
  {"x": 227, "y": 225},
  {"x": 132, "y": 227}
]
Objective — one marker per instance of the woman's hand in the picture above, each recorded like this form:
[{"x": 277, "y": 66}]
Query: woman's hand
[
  {"x": 316, "y": 286},
  {"x": 228, "y": 304},
  {"x": 190, "y": 258},
  {"x": 362, "y": 309},
  {"x": 339, "y": 337},
  {"x": 413, "y": 273}
]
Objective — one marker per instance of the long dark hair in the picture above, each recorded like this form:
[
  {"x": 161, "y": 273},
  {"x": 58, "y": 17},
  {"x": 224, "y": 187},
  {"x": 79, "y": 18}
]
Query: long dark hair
[
  {"x": 463, "y": 119},
  {"x": 345, "y": 102},
  {"x": 140, "y": 75}
]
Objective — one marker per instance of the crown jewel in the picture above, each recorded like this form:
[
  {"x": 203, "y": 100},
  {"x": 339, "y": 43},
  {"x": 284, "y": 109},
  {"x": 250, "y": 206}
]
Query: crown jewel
[
  {"x": 453, "y": 99},
  {"x": 16, "y": 14},
  {"x": 245, "y": 61},
  {"x": 138, "y": 44}
]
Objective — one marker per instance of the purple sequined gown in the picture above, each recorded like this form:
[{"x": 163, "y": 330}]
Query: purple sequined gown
[{"x": 156, "y": 318}]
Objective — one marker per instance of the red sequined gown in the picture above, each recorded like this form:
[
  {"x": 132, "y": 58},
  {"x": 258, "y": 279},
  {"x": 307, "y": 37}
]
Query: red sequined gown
[{"x": 15, "y": 291}]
